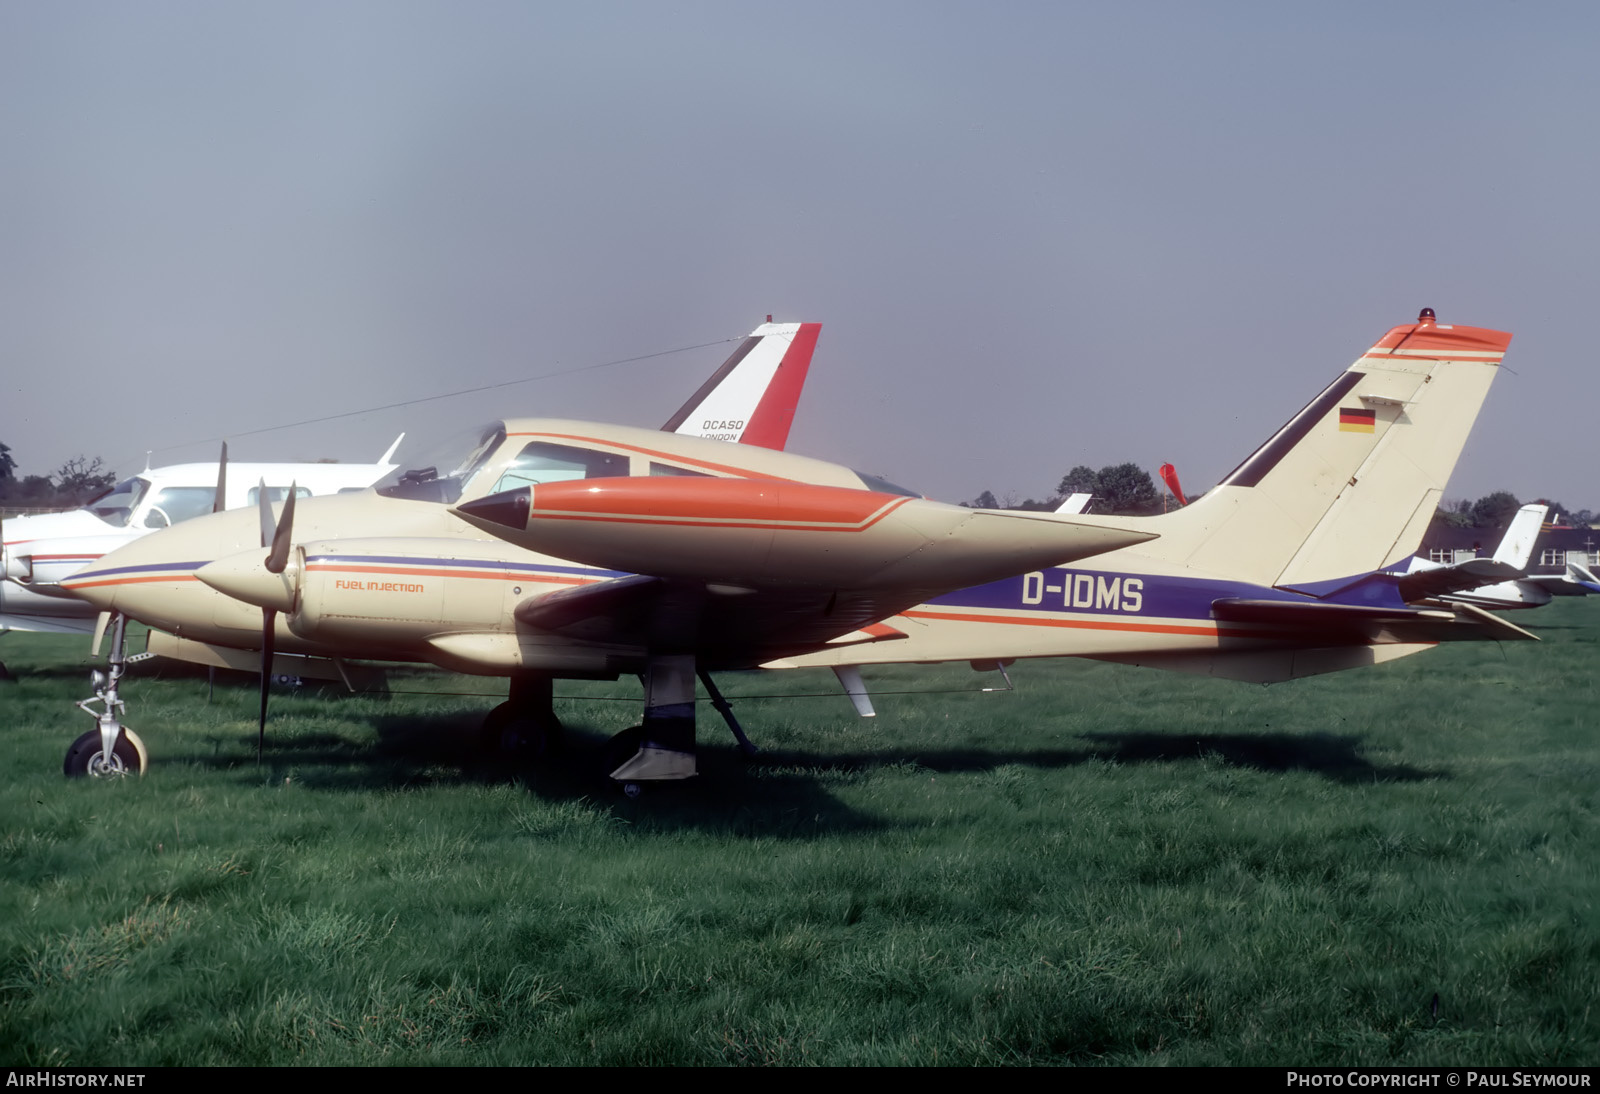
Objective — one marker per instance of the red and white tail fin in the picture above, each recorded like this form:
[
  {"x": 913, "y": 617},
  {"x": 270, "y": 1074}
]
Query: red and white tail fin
[{"x": 751, "y": 399}]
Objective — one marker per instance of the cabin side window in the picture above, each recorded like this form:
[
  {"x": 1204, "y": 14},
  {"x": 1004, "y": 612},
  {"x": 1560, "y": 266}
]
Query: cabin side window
[
  {"x": 542, "y": 461},
  {"x": 278, "y": 493}
]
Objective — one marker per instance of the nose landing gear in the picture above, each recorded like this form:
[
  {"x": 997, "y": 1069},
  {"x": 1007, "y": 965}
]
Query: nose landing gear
[{"x": 111, "y": 749}]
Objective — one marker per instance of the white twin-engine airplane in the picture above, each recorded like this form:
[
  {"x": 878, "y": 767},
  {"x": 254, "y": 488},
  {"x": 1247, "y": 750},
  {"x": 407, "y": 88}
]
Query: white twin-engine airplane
[{"x": 570, "y": 549}]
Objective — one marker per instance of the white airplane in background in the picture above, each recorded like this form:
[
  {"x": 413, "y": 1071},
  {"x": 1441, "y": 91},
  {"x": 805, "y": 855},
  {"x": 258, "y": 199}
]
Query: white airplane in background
[
  {"x": 39, "y": 550},
  {"x": 1577, "y": 580},
  {"x": 1501, "y": 581}
]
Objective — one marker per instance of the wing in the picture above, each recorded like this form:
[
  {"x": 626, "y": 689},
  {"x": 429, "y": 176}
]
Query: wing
[{"x": 726, "y": 626}]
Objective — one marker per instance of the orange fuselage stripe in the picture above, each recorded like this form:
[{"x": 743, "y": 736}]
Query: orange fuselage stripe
[
  {"x": 1204, "y": 631},
  {"x": 480, "y": 575},
  {"x": 70, "y": 584}
]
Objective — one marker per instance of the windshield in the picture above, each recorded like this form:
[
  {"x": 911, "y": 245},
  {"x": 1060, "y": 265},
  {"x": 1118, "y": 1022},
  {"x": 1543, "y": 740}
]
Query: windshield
[
  {"x": 440, "y": 474},
  {"x": 116, "y": 506},
  {"x": 175, "y": 504}
]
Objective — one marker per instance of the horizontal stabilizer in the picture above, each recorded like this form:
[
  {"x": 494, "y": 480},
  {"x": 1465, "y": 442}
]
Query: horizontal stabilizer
[
  {"x": 1314, "y": 613},
  {"x": 1321, "y": 621},
  {"x": 1471, "y": 574}
]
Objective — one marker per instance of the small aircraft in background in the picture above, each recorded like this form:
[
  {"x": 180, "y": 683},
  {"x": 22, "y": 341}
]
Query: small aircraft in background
[
  {"x": 1577, "y": 580},
  {"x": 569, "y": 549},
  {"x": 1500, "y": 582},
  {"x": 39, "y": 550}
]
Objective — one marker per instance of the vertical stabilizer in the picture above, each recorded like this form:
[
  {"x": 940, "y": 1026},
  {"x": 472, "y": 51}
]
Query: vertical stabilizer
[
  {"x": 1516, "y": 547},
  {"x": 1349, "y": 484},
  {"x": 751, "y": 399}
]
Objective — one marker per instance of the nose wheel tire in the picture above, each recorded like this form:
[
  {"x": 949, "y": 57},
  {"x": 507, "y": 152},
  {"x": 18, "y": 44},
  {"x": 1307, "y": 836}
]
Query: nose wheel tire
[{"x": 87, "y": 757}]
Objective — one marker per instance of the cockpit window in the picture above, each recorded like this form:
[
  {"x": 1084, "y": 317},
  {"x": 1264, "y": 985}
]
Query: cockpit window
[
  {"x": 116, "y": 506},
  {"x": 440, "y": 475},
  {"x": 544, "y": 462},
  {"x": 176, "y": 504}
]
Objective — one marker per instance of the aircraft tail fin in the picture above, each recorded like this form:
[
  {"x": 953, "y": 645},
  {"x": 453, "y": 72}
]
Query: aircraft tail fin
[
  {"x": 1516, "y": 547},
  {"x": 1349, "y": 484},
  {"x": 751, "y": 399},
  {"x": 388, "y": 456}
]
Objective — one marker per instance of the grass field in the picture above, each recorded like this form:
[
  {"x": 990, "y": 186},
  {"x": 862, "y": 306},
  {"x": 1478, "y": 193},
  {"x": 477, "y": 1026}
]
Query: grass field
[{"x": 1108, "y": 865}]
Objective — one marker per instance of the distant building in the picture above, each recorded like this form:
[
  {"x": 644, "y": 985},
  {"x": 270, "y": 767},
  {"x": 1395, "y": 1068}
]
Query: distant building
[{"x": 1444, "y": 544}]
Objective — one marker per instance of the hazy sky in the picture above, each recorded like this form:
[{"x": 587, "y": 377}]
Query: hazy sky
[{"x": 1036, "y": 235}]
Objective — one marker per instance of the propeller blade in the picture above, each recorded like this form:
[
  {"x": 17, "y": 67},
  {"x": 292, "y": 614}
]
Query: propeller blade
[
  {"x": 219, "y": 501},
  {"x": 279, "y": 558},
  {"x": 268, "y": 633},
  {"x": 268, "y": 525}
]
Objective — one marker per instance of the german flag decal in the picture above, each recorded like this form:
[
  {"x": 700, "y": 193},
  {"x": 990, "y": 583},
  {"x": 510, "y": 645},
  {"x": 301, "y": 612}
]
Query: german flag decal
[{"x": 1357, "y": 421}]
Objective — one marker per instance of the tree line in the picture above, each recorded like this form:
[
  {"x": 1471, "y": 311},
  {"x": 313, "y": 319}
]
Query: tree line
[
  {"x": 1127, "y": 489},
  {"x": 1496, "y": 510},
  {"x": 70, "y": 485},
  {"x": 1117, "y": 488}
]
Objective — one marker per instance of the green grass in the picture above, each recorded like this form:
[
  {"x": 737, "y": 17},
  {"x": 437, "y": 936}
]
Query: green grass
[{"x": 1107, "y": 865}]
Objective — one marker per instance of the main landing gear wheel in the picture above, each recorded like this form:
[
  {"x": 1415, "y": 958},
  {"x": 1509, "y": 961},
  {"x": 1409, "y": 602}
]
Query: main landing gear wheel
[
  {"x": 510, "y": 733},
  {"x": 87, "y": 757}
]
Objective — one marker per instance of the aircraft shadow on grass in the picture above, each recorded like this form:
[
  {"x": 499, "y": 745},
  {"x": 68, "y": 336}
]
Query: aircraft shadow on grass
[
  {"x": 1332, "y": 756},
  {"x": 414, "y": 751},
  {"x": 1336, "y": 757},
  {"x": 782, "y": 793}
]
